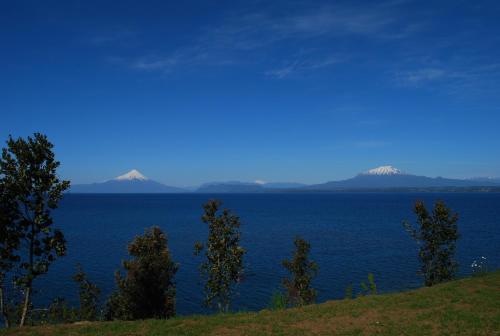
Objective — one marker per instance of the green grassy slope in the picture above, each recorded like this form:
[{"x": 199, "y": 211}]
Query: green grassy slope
[{"x": 465, "y": 307}]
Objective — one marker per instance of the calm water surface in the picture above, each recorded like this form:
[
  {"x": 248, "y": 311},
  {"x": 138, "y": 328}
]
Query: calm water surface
[{"x": 351, "y": 235}]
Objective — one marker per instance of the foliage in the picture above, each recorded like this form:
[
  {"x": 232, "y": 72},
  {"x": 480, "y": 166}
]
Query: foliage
[
  {"x": 299, "y": 290},
  {"x": 9, "y": 243},
  {"x": 223, "y": 267},
  {"x": 148, "y": 289},
  {"x": 89, "y": 296},
  {"x": 436, "y": 233},
  {"x": 348, "y": 292},
  {"x": 278, "y": 301},
  {"x": 57, "y": 312},
  {"x": 30, "y": 191},
  {"x": 371, "y": 287},
  {"x": 479, "y": 266},
  {"x": 464, "y": 307},
  {"x": 60, "y": 312},
  {"x": 13, "y": 308}
]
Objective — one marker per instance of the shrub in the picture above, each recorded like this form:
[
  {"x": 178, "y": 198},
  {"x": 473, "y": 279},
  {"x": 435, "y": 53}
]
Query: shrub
[
  {"x": 278, "y": 301},
  {"x": 479, "y": 266},
  {"x": 223, "y": 267},
  {"x": 348, "y": 292},
  {"x": 302, "y": 270},
  {"x": 148, "y": 288},
  {"x": 436, "y": 233},
  {"x": 371, "y": 287},
  {"x": 89, "y": 296}
]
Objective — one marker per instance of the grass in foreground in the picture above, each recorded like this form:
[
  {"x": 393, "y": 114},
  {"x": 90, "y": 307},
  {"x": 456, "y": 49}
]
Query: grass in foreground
[{"x": 465, "y": 307}]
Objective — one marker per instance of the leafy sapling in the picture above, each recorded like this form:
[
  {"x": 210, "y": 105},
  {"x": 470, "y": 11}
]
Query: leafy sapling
[
  {"x": 148, "y": 289},
  {"x": 89, "y": 296},
  {"x": 369, "y": 288},
  {"x": 436, "y": 234},
  {"x": 278, "y": 301},
  {"x": 348, "y": 292},
  {"x": 302, "y": 271},
  {"x": 223, "y": 266}
]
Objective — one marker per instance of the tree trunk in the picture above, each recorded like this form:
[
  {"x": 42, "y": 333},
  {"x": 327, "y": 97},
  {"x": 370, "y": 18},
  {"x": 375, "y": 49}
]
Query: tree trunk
[
  {"x": 2, "y": 309},
  {"x": 27, "y": 294},
  {"x": 26, "y": 304}
]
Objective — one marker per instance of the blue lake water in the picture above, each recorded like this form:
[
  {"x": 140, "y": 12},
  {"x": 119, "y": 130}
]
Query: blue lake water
[{"x": 351, "y": 234}]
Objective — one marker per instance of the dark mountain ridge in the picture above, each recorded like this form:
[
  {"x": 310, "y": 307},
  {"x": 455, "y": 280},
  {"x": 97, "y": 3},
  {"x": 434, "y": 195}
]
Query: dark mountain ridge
[
  {"x": 385, "y": 178},
  {"x": 132, "y": 182}
]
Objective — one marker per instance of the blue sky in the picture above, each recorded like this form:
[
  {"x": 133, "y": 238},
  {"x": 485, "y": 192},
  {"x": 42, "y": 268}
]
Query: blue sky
[{"x": 309, "y": 91}]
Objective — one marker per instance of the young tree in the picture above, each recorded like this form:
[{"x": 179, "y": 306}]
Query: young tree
[
  {"x": 89, "y": 296},
  {"x": 148, "y": 289},
  {"x": 303, "y": 270},
  {"x": 436, "y": 235},
  {"x": 370, "y": 288},
  {"x": 28, "y": 171},
  {"x": 223, "y": 267}
]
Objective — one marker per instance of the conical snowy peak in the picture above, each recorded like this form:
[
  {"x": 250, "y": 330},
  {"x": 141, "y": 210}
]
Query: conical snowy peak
[
  {"x": 132, "y": 175},
  {"x": 384, "y": 170}
]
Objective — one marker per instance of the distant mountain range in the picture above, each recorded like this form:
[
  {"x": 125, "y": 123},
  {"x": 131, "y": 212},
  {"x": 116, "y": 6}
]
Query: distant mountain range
[
  {"x": 388, "y": 177},
  {"x": 132, "y": 182},
  {"x": 385, "y": 178},
  {"x": 247, "y": 187},
  {"x": 485, "y": 179}
]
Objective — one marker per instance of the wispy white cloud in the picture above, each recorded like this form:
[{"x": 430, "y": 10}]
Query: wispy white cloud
[
  {"x": 371, "y": 144},
  {"x": 254, "y": 30},
  {"x": 112, "y": 36},
  {"x": 155, "y": 64},
  {"x": 189, "y": 56},
  {"x": 302, "y": 65},
  {"x": 361, "y": 144},
  {"x": 420, "y": 76},
  {"x": 248, "y": 37},
  {"x": 456, "y": 78}
]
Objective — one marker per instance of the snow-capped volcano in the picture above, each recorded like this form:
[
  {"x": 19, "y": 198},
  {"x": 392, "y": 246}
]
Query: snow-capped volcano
[
  {"x": 388, "y": 177},
  {"x": 131, "y": 182},
  {"x": 384, "y": 170},
  {"x": 131, "y": 175}
]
